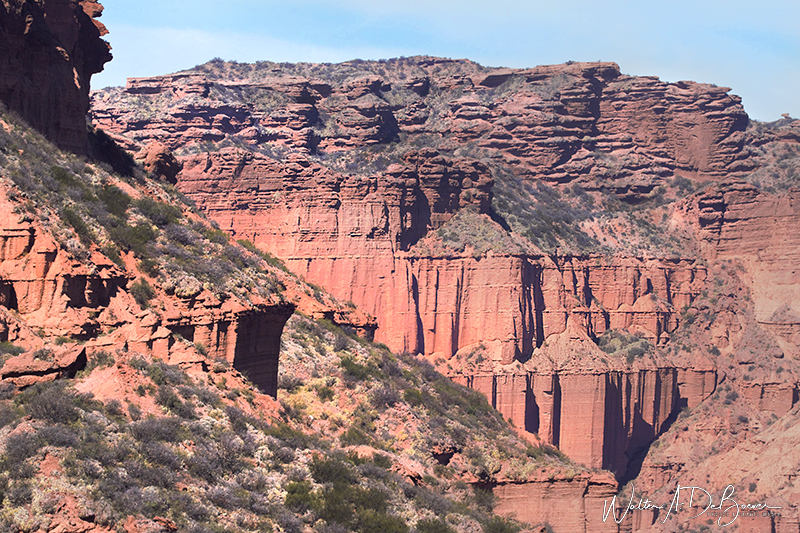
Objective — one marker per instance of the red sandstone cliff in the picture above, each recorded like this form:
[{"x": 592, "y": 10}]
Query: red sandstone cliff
[
  {"x": 48, "y": 53},
  {"x": 583, "y": 121},
  {"x": 327, "y": 172}
]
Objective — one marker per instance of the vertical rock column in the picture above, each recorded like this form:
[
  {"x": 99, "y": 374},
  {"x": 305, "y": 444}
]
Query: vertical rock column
[{"x": 258, "y": 345}]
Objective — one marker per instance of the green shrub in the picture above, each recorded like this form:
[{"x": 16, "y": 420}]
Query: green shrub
[
  {"x": 355, "y": 370},
  {"x": 331, "y": 471},
  {"x": 354, "y": 437},
  {"x": 325, "y": 393},
  {"x": 299, "y": 497},
  {"x": 433, "y": 525},
  {"x": 166, "y": 429},
  {"x": 159, "y": 213},
  {"x": 132, "y": 238},
  {"x": 115, "y": 200},
  {"x": 51, "y": 402},
  {"x": 8, "y": 414},
  {"x": 72, "y": 218},
  {"x": 413, "y": 397},
  {"x": 498, "y": 524},
  {"x": 142, "y": 292}
]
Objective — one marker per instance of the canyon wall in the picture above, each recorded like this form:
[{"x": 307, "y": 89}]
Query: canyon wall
[
  {"x": 599, "y": 418},
  {"x": 574, "y": 505},
  {"x": 582, "y": 122},
  {"x": 357, "y": 175},
  {"x": 48, "y": 53},
  {"x": 352, "y": 235},
  {"x": 737, "y": 221},
  {"x": 54, "y": 293}
]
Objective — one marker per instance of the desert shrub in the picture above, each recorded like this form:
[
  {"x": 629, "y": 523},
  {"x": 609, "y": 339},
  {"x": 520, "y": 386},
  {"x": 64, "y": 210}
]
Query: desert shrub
[
  {"x": 159, "y": 213},
  {"x": 20, "y": 494},
  {"x": 498, "y": 524},
  {"x": 299, "y": 497},
  {"x": 166, "y": 429},
  {"x": 433, "y": 525},
  {"x": 43, "y": 354},
  {"x": 166, "y": 397},
  {"x": 72, "y": 218},
  {"x": 331, "y": 471},
  {"x": 413, "y": 397},
  {"x": 285, "y": 455},
  {"x": 59, "y": 436},
  {"x": 160, "y": 454},
  {"x": 51, "y": 402},
  {"x": 340, "y": 342},
  {"x": 208, "y": 397},
  {"x": 325, "y": 393},
  {"x": 142, "y": 292},
  {"x": 213, "y": 460},
  {"x": 731, "y": 397},
  {"x": 228, "y": 497},
  {"x": 164, "y": 374},
  {"x": 289, "y": 382},
  {"x": 134, "y": 411},
  {"x": 99, "y": 359},
  {"x": 353, "y": 370},
  {"x": 8, "y": 414},
  {"x": 132, "y": 238},
  {"x": 19, "y": 447},
  {"x": 384, "y": 396},
  {"x": 354, "y": 437},
  {"x": 115, "y": 200},
  {"x": 619, "y": 343},
  {"x": 7, "y": 348}
]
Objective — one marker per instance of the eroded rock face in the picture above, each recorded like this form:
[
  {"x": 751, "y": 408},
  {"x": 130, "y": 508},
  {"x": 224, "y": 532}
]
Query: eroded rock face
[
  {"x": 574, "y": 505},
  {"x": 48, "y": 53},
  {"x": 51, "y": 291},
  {"x": 583, "y": 122},
  {"x": 737, "y": 221},
  {"x": 520, "y": 325}
]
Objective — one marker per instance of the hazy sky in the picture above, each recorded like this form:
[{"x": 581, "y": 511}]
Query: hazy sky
[{"x": 749, "y": 45}]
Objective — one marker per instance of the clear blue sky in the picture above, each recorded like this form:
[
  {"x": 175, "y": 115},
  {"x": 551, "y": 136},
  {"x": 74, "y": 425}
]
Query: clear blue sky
[{"x": 752, "y": 46}]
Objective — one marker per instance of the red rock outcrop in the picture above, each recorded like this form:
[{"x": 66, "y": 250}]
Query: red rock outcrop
[
  {"x": 598, "y": 418},
  {"x": 349, "y": 235},
  {"x": 737, "y": 221},
  {"x": 58, "y": 294},
  {"x": 565, "y": 505},
  {"x": 580, "y": 121},
  {"x": 48, "y": 53},
  {"x": 515, "y": 323},
  {"x": 160, "y": 161}
]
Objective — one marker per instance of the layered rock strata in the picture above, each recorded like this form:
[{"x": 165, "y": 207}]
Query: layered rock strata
[
  {"x": 48, "y": 53},
  {"x": 352, "y": 235},
  {"x": 598, "y": 418},
  {"x": 580, "y": 121},
  {"x": 52, "y": 291}
]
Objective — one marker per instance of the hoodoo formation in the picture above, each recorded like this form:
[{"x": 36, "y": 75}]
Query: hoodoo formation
[{"x": 608, "y": 260}]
